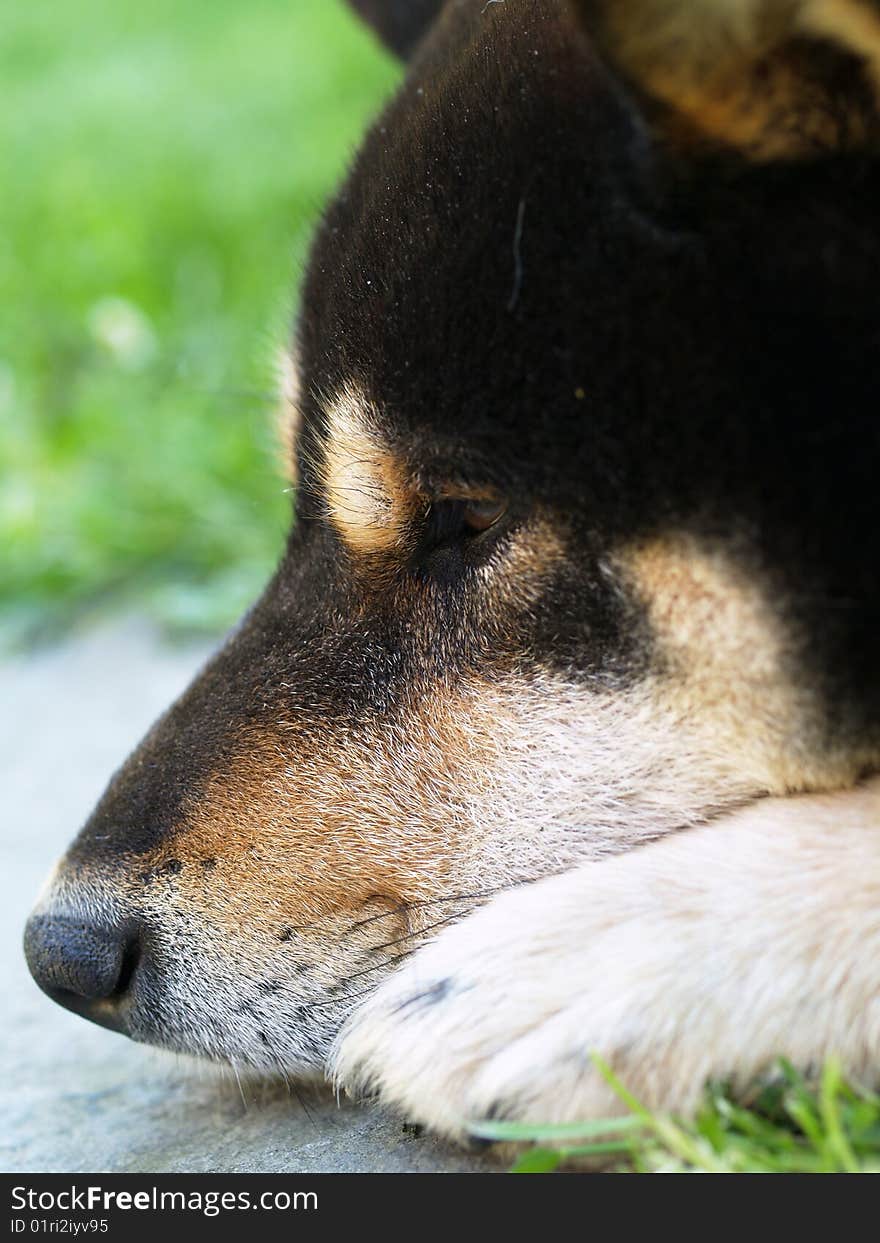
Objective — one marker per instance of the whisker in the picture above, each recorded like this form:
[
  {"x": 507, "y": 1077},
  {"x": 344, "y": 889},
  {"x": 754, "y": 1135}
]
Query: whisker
[
  {"x": 377, "y": 966},
  {"x": 419, "y": 932},
  {"x": 410, "y": 906},
  {"x": 404, "y": 907},
  {"x": 292, "y": 1087},
  {"x": 335, "y": 1001},
  {"x": 321, "y": 1005},
  {"x": 238, "y": 1081},
  {"x": 278, "y": 1065}
]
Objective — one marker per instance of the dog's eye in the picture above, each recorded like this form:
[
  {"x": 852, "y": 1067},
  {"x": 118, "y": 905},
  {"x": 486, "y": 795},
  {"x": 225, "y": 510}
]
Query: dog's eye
[
  {"x": 451, "y": 520},
  {"x": 478, "y": 516},
  {"x": 452, "y": 523}
]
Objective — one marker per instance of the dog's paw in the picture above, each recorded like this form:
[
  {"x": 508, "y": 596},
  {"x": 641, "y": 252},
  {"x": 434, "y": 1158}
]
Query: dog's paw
[
  {"x": 476, "y": 1026},
  {"x": 499, "y": 1016},
  {"x": 708, "y": 954}
]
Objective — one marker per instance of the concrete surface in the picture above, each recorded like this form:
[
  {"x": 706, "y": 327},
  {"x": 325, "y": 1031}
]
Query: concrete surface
[{"x": 76, "y": 1098}]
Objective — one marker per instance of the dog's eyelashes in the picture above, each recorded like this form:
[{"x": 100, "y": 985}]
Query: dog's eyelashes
[
  {"x": 479, "y": 516},
  {"x": 453, "y": 520}
]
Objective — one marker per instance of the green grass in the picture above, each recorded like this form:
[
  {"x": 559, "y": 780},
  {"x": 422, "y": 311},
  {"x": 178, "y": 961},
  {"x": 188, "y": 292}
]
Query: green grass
[
  {"x": 788, "y": 1127},
  {"x": 162, "y": 167}
]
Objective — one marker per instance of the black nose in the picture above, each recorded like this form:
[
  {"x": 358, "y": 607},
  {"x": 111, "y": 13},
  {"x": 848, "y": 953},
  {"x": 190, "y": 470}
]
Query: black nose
[{"x": 87, "y": 968}]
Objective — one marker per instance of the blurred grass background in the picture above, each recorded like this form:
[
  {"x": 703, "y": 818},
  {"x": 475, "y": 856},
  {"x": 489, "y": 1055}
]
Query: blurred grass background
[{"x": 162, "y": 167}]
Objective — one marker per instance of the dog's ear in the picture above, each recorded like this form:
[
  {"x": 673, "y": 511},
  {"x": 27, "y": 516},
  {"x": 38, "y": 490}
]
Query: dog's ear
[
  {"x": 400, "y": 24},
  {"x": 770, "y": 79}
]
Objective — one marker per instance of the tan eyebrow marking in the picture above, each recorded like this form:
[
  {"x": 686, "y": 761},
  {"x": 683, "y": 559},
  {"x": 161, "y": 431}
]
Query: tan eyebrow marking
[
  {"x": 368, "y": 496},
  {"x": 373, "y": 499}
]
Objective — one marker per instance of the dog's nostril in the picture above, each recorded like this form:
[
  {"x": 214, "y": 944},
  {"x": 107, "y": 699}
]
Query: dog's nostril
[
  {"x": 131, "y": 956},
  {"x": 79, "y": 964}
]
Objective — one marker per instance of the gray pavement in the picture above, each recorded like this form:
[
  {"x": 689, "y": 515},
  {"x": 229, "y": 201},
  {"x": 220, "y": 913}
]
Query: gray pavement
[{"x": 76, "y": 1098}]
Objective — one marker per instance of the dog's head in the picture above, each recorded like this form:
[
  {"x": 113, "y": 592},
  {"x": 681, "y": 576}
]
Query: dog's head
[{"x": 582, "y": 408}]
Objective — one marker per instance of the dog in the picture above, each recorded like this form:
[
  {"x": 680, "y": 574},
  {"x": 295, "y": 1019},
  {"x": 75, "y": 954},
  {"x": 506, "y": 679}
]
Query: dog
[{"x": 556, "y": 730}]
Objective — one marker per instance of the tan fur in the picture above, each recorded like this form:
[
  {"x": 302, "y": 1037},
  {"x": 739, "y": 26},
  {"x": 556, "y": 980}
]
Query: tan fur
[
  {"x": 766, "y": 77},
  {"x": 289, "y": 415},
  {"x": 369, "y": 500},
  {"x": 853, "y": 24},
  {"x": 731, "y": 665},
  {"x": 708, "y": 954},
  {"x": 517, "y": 576}
]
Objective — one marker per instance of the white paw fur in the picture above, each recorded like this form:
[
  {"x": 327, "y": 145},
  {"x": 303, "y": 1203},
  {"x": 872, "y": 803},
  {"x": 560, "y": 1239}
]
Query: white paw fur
[{"x": 709, "y": 953}]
